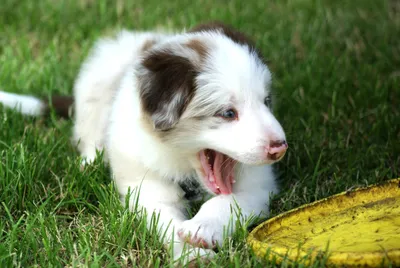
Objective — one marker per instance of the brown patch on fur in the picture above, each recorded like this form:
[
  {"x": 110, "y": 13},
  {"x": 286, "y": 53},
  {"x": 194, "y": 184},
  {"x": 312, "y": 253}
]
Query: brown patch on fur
[
  {"x": 235, "y": 35},
  {"x": 167, "y": 88},
  {"x": 60, "y": 104},
  {"x": 199, "y": 47},
  {"x": 148, "y": 45}
]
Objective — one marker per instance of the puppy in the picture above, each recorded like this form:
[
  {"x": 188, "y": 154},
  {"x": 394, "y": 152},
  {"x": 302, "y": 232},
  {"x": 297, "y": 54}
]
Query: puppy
[{"x": 167, "y": 108}]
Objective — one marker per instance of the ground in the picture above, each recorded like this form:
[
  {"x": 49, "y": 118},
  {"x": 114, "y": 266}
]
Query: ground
[{"x": 336, "y": 71}]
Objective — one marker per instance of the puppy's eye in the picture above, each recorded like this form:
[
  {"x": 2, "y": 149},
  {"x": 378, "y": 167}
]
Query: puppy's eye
[
  {"x": 230, "y": 114},
  {"x": 268, "y": 101}
]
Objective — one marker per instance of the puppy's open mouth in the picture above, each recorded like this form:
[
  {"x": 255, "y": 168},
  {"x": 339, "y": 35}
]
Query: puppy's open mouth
[{"x": 218, "y": 170}]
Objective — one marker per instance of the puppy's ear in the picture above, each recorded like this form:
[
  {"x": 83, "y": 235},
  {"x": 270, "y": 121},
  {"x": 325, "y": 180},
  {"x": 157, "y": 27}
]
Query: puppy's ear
[{"x": 166, "y": 87}]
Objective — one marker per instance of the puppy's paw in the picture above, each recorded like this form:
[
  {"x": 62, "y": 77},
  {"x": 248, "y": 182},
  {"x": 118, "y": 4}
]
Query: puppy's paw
[
  {"x": 86, "y": 161},
  {"x": 187, "y": 255},
  {"x": 204, "y": 233}
]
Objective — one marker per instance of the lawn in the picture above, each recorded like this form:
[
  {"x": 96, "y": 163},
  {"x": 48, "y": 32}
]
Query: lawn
[{"x": 336, "y": 71}]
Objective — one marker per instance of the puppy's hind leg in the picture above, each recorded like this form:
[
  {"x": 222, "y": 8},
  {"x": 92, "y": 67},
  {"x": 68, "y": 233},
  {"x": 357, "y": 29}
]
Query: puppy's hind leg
[
  {"x": 94, "y": 90},
  {"x": 90, "y": 126},
  {"x": 89, "y": 130}
]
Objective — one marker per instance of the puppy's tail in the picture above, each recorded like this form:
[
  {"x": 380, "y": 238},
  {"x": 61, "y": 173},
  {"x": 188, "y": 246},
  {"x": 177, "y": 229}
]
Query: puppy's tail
[{"x": 34, "y": 106}]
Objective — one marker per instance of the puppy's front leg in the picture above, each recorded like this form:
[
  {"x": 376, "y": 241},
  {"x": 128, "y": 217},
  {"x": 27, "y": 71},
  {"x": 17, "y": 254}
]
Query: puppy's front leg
[
  {"x": 162, "y": 200},
  {"x": 218, "y": 216}
]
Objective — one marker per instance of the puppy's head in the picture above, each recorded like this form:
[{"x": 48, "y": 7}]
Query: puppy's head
[{"x": 206, "y": 94}]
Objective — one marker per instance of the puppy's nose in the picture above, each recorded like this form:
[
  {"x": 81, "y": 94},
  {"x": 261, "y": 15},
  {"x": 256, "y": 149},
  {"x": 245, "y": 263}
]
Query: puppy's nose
[{"x": 276, "y": 149}]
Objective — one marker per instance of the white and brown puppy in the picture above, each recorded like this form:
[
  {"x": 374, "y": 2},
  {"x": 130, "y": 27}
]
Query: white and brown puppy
[{"x": 168, "y": 107}]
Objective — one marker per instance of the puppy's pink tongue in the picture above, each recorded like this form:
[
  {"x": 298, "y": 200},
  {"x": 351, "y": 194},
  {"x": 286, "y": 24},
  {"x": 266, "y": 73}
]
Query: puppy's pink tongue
[{"x": 223, "y": 182}]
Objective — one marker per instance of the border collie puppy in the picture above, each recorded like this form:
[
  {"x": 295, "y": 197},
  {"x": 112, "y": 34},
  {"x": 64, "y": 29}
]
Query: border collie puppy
[{"x": 168, "y": 108}]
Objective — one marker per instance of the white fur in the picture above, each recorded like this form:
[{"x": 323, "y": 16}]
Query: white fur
[{"x": 109, "y": 116}]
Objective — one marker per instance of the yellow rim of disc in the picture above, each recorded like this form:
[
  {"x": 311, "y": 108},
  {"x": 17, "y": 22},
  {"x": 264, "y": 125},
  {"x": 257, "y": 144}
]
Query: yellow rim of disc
[{"x": 370, "y": 258}]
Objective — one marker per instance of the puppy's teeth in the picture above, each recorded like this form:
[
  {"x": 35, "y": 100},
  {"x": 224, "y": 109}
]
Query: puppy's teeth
[
  {"x": 233, "y": 181},
  {"x": 217, "y": 187},
  {"x": 211, "y": 179}
]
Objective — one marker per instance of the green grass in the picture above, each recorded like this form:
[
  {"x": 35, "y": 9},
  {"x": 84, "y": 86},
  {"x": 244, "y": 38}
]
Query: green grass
[{"x": 336, "y": 67}]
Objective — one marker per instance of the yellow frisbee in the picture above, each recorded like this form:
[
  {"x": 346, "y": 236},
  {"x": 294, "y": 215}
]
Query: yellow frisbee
[{"x": 355, "y": 228}]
